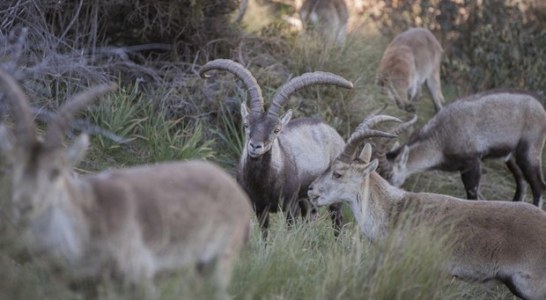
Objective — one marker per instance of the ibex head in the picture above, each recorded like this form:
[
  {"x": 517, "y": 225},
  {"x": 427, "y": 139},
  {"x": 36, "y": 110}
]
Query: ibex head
[
  {"x": 41, "y": 164},
  {"x": 393, "y": 163},
  {"x": 345, "y": 177},
  {"x": 261, "y": 127}
]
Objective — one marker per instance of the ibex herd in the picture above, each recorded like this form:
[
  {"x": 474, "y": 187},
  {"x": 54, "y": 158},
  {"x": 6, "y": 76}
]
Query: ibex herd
[{"x": 140, "y": 221}]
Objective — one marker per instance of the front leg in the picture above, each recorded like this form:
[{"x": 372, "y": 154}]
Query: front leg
[
  {"x": 263, "y": 220},
  {"x": 471, "y": 179},
  {"x": 337, "y": 217}
]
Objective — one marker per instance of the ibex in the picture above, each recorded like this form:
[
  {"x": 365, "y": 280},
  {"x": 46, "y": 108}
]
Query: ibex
[
  {"x": 326, "y": 17},
  {"x": 281, "y": 157},
  {"x": 413, "y": 57},
  {"x": 494, "y": 124},
  {"x": 132, "y": 222},
  {"x": 492, "y": 240}
]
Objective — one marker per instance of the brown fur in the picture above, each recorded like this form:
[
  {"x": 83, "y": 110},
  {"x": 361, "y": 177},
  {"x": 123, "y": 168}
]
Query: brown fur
[{"x": 411, "y": 59}]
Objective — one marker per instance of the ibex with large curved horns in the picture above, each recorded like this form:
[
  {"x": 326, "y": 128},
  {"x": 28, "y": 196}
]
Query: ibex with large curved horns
[
  {"x": 134, "y": 222},
  {"x": 281, "y": 157},
  {"x": 495, "y": 124},
  {"x": 492, "y": 240}
]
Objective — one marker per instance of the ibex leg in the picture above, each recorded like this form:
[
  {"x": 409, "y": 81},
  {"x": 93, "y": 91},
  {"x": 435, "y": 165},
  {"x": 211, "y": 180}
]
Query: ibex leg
[{"x": 471, "y": 179}]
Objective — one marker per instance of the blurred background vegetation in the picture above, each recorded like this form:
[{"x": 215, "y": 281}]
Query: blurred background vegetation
[{"x": 164, "y": 111}]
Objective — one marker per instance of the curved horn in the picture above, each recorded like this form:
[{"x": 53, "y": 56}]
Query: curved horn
[
  {"x": 404, "y": 126},
  {"x": 382, "y": 147},
  {"x": 25, "y": 129},
  {"x": 61, "y": 120},
  {"x": 363, "y": 132},
  {"x": 256, "y": 98},
  {"x": 373, "y": 120},
  {"x": 299, "y": 82}
]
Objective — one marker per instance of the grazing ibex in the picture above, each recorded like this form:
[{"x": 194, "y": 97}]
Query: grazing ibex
[
  {"x": 492, "y": 240},
  {"x": 494, "y": 124},
  {"x": 413, "y": 57},
  {"x": 281, "y": 157},
  {"x": 133, "y": 222},
  {"x": 326, "y": 17}
]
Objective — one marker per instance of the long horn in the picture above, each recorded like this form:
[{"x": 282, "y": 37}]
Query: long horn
[
  {"x": 363, "y": 132},
  {"x": 297, "y": 83},
  {"x": 404, "y": 126},
  {"x": 62, "y": 119},
  {"x": 25, "y": 129},
  {"x": 256, "y": 98},
  {"x": 381, "y": 148}
]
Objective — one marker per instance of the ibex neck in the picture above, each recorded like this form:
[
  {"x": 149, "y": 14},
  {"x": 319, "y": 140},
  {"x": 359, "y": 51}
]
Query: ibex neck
[
  {"x": 59, "y": 229},
  {"x": 264, "y": 164},
  {"x": 424, "y": 155},
  {"x": 373, "y": 206}
]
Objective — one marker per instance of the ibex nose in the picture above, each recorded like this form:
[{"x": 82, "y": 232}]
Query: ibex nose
[
  {"x": 312, "y": 194},
  {"x": 256, "y": 146}
]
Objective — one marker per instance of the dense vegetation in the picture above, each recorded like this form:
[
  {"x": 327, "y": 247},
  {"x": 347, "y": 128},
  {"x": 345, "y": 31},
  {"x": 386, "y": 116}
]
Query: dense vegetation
[{"x": 164, "y": 111}]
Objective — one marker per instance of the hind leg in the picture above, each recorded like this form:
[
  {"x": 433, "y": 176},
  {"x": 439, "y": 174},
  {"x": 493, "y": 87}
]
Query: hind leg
[
  {"x": 528, "y": 161},
  {"x": 435, "y": 88},
  {"x": 263, "y": 220},
  {"x": 518, "y": 177}
]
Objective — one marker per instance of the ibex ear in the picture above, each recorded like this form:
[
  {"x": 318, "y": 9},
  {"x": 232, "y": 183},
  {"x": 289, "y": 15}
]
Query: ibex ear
[
  {"x": 6, "y": 141},
  {"x": 76, "y": 152},
  {"x": 402, "y": 159},
  {"x": 366, "y": 153},
  {"x": 286, "y": 117},
  {"x": 369, "y": 168}
]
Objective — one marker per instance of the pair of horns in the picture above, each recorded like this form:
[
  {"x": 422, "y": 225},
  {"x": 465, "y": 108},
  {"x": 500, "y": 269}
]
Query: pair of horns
[
  {"x": 25, "y": 129},
  {"x": 364, "y": 131},
  {"x": 283, "y": 93}
]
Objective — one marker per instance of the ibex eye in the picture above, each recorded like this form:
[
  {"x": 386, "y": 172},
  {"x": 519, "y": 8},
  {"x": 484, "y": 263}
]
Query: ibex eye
[
  {"x": 276, "y": 131},
  {"x": 336, "y": 175},
  {"x": 245, "y": 125}
]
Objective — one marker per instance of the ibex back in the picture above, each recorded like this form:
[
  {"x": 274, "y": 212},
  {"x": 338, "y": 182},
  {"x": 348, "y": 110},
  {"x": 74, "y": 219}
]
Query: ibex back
[{"x": 410, "y": 60}]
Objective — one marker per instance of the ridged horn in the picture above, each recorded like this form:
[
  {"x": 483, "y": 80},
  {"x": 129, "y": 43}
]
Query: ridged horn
[
  {"x": 25, "y": 129},
  {"x": 382, "y": 147},
  {"x": 66, "y": 113},
  {"x": 404, "y": 126},
  {"x": 363, "y": 132},
  {"x": 256, "y": 98},
  {"x": 299, "y": 82}
]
